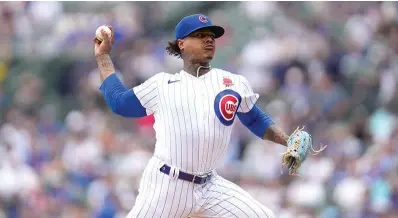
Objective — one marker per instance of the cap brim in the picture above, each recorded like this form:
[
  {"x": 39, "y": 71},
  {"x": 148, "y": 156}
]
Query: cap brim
[{"x": 217, "y": 30}]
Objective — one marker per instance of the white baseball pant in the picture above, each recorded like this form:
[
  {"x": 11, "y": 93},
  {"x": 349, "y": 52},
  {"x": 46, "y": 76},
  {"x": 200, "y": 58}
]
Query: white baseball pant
[{"x": 163, "y": 196}]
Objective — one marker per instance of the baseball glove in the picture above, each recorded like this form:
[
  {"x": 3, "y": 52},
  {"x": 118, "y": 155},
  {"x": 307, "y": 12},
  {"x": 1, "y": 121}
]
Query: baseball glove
[{"x": 298, "y": 147}]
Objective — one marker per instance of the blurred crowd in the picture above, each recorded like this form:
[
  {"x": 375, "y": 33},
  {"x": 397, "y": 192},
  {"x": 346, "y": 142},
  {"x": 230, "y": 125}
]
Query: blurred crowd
[{"x": 329, "y": 66}]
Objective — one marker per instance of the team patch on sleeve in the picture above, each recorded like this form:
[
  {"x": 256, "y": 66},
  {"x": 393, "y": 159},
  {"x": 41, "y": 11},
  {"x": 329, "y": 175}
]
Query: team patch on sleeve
[{"x": 226, "y": 104}]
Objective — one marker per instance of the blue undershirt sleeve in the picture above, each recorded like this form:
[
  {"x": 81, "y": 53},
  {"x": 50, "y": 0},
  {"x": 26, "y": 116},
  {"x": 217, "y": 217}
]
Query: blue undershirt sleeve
[
  {"x": 122, "y": 101},
  {"x": 256, "y": 121}
]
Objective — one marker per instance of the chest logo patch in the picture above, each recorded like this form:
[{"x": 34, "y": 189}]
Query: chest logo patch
[
  {"x": 226, "y": 104},
  {"x": 227, "y": 82}
]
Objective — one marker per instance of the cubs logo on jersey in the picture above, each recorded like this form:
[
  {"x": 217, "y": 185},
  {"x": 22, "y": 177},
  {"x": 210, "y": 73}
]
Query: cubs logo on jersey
[{"x": 226, "y": 104}]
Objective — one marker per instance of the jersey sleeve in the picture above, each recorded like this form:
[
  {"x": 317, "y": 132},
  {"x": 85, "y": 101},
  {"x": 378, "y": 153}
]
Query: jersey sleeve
[
  {"x": 249, "y": 98},
  {"x": 147, "y": 93}
]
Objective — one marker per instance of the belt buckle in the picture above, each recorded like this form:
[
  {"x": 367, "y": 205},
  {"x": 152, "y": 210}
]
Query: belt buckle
[{"x": 205, "y": 179}]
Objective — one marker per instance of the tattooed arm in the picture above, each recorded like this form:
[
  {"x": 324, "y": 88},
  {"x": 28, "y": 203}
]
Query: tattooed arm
[
  {"x": 120, "y": 100},
  {"x": 262, "y": 126},
  {"x": 102, "y": 50},
  {"x": 273, "y": 133},
  {"x": 105, "y": 66}
]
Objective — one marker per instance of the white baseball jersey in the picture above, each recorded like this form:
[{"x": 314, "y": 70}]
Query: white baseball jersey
[
  {"x": 193, "y": 124},
  {"x": 194, "y": 115}
]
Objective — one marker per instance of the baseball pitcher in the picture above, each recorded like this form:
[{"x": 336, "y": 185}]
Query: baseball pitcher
[{"x": 194, "y": 112}]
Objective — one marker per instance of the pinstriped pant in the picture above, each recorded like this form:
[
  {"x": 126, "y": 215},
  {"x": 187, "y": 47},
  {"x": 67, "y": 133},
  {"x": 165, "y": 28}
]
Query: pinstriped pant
[{"x": 160, "y": 196}]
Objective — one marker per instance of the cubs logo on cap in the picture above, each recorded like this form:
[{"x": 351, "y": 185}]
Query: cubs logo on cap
[
  {"x": 226, "y": 104},
  {"x": 203, "y": 19},
  {"x": 192, "y": 23}
]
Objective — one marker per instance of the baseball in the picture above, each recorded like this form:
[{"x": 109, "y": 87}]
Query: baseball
[{"x": 98, "y": 33}]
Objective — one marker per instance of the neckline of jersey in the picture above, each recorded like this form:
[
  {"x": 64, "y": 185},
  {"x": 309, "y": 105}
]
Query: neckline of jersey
[{"x": 204, "y": 76}]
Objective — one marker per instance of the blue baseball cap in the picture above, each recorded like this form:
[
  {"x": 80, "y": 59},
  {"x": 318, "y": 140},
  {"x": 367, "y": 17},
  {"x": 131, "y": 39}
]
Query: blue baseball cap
[{"x": 190, "y": 24}]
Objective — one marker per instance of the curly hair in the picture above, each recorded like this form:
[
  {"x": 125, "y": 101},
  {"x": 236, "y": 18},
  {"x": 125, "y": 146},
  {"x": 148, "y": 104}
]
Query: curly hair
[{"x": 173, "y": 49}]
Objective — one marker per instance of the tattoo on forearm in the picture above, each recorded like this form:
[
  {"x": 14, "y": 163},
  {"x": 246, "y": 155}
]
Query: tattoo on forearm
[
  {"x": 276, "y": 135},
  {"x": 105, "y": 66},
  {"x": 281, "y": 138}
]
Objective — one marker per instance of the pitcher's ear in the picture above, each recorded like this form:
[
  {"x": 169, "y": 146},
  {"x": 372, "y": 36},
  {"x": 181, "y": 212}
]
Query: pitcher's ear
[{"x": 180, "y": 44}]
